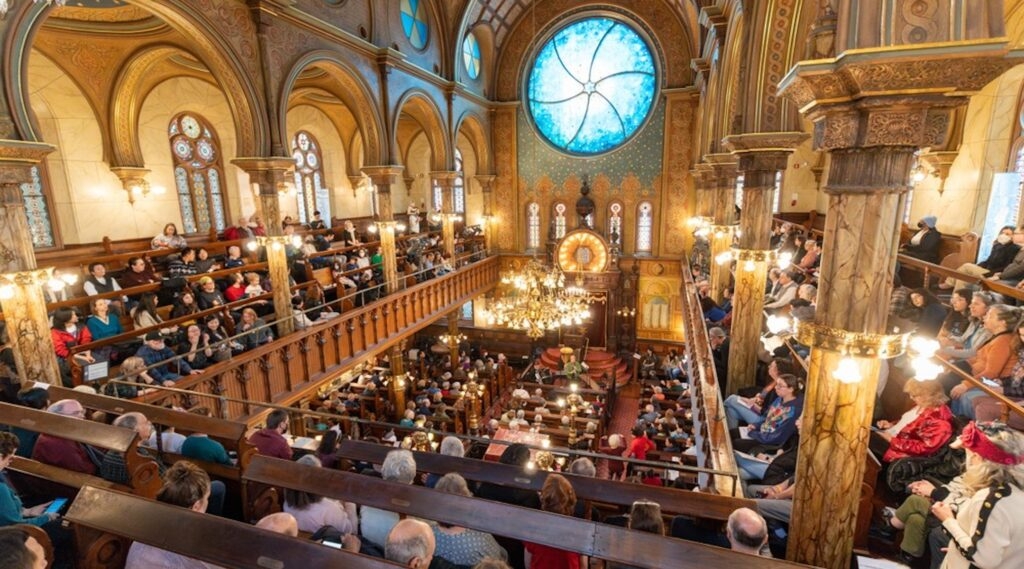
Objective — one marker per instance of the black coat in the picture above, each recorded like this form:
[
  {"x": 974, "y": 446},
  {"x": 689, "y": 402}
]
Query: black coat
[
  {"x": 1000, "y": 256},
  {"x": 927, "y": 249}
]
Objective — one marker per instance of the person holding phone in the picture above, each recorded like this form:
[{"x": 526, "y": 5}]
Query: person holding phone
[{"x": 45, "y": 515}]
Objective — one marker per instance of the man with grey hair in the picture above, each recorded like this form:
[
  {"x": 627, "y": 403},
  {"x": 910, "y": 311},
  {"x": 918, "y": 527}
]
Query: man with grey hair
[
  {"x": 747, "y": 531},
  {"x": 374, "y": 524},
  {"x": 61, "y": 452},
  {"x": 583, "y": 467},
  {"x": 411, "y": 544},
  {"x": 114, "y": 466},
  {"x": 450, "y": 446}
]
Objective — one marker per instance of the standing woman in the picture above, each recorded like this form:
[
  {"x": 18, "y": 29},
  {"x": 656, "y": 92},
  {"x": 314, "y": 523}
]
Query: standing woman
[{"x": 987, "y": 531}]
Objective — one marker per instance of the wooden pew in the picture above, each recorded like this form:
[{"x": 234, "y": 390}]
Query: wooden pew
[
  {"x": 672, "y": 500},
  {"x": 143, "y": 473},
  {"x": 106, "y": 523},
  {"x": 231, "y": 434},
  {"x": 602, "y": 541},
  {"x": 44, "y": 480}
]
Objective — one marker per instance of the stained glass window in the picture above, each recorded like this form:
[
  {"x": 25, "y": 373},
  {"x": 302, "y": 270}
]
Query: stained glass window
[
  {"x": 414, "y": 22},
  {"x": 533, "y": 226},
  {"x": 592, "y": 86},
  {"x": 197, "y": 173},
  {"x": 739, "y": 190},
  {"x": 459, "y": 188},
  {"x": 38, "y": 211},
  {"x": 644, "y": 227},
  {"x": 615, "y": 223},
  {"x": 559, "y": 220},
  {"x": 776, "y": 194},
  {"x": 309, "y": 175},
  {"x": 471, "y": 55}
]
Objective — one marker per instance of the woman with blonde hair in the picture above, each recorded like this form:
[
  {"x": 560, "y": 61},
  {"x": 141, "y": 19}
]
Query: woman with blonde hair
[
  {"x": 987, "y": 530},
  {"x": 616, "y": 447},
  {"x": 922, "y": 430}
]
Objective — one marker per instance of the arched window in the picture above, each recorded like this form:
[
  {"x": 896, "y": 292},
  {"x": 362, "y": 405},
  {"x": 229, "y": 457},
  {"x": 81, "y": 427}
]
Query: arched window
[
  {"x": 739, "y": 190},
  {"x": 558, "y": 220},
  {"x": 644, "y": 228},
  {"x": 459, "y": 189},
  {"x": 615, "y": 224},
  {"x": 533, "y": 225},
  {"x": 309, "y": 175},
  {"x": 38, "y": 211},
  {"x": 197, "y": 173}
]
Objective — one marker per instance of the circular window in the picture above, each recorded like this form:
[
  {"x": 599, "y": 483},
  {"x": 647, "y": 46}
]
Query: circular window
[
  {"x": 471, "y": 55},
  {"x": 414, "y": 22},
  {"x": 592, "y": 86}
]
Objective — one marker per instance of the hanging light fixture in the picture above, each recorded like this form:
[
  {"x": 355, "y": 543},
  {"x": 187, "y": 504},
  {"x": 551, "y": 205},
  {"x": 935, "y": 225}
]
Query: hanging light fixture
[{"x": 535, "y": 299}]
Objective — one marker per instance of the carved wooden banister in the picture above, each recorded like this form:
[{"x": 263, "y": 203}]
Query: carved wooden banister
[
  {"x": 1009, "y": 405},
  {"x": 291, "y": 368},
  {"x": 711, "y": 409}
]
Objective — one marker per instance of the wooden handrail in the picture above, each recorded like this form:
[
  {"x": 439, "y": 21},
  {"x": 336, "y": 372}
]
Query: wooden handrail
[
  {"x": 1011, "y": 405},
  {"x": 718, "y": 443},
  {"x": 672, "y": 500},
  {"x": 188, "y": 533},
  {"x": 293, "y": 366},
  {"x": 616, "y": 544}
]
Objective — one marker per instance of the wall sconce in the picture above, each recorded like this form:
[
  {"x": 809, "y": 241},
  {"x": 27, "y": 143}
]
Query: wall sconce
[
  {"x": 847, "y": 371},
  {"x": 286, "y": 189},
  {"x": 924, "y": 368},
  {"x": 133, "y": 180}
]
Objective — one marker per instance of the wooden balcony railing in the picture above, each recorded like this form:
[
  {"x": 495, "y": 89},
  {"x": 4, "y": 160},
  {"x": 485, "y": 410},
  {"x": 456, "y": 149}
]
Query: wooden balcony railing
[
  {"x": 289, "y": 369},
  {"x": 715, "y": 442}
]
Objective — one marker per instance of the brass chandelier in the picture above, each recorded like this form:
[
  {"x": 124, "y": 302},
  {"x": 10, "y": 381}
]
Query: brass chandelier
[{"x": 535, "y": 299}]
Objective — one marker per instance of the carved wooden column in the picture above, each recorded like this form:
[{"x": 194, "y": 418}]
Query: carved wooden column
[
  {"x": 446, "y": 181},
  {"x": 21, "y": 283},
  {"x": 723, "y": 183},
  {"x": 453, "y": 337},
  {"x": 383, "y": 177},
  {"x": 761, "y": 157},
  {"x": 267, "y": 175},
  {"x": 872, "y": 114},
  {"x": 398, "y": 380},
  {"x": 486, "y": 185}
]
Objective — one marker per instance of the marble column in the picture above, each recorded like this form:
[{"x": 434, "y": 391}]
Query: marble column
[
  {"x": 383, "y": 178},
  {"x": 267, "y": 175},
  {"x": 871, "y": 113},
  {"x": 398, "y": 380},
  {"x": 724, "y": 213},
  {"x": 761, "y": 156},
  {"x": 21, "y": 283},
  {"x": 446, "y": 181},
  {"x": 486, "y": 185}
]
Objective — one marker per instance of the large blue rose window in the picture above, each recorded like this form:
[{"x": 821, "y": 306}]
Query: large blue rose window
[{"x": 592, "y": 86}]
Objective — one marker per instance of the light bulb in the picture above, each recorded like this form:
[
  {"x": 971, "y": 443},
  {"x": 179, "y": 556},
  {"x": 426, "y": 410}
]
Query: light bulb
[
  {"x": 297, "y": 240},
  {"x": 6, "y": 292},
  {"x": 924, "y": 346},
  {"x": 372, "y": 228},
  {"x": 785, "y": 260},
  {"x": 252, "y": 245},
  {"x": 847, "y": 371},
  {"x": 69, "y": 278},
  {"x": 723, "y": 258},
  {"x": 925, "y": 369},
  {"x": 777, "y": 324},
  {"x": 749, "y": 266},
  {"x": 55, "y": 284}
]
